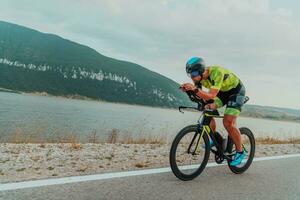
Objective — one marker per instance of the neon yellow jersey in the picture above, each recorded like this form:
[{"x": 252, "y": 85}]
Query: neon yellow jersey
[{"x": 220, "y": 78}]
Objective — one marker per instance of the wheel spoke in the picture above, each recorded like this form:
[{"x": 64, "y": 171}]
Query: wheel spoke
[
  {"x": 248, "y": 145},
  {"x": 190, "y": 154}
]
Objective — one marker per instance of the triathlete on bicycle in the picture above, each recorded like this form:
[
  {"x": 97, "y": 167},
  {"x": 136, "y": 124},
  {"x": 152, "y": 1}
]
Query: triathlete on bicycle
[{"x": 225, "y": 88}]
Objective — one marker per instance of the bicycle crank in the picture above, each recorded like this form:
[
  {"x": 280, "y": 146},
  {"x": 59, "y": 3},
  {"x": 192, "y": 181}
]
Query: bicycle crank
[{"x": 219, "y": 159}]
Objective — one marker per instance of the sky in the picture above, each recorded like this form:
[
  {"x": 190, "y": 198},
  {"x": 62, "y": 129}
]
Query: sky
[{"x": 259, "y": 40}]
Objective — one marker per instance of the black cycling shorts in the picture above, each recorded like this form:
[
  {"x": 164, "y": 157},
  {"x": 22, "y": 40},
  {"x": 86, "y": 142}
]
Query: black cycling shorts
[{"x": 233, "y": 99}]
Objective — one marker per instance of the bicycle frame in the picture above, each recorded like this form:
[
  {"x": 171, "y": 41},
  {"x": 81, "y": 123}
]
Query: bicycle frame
[
  {"x": 202, "y": 131},
  {"x": 204, "y": 128},
  {"x": 203, "y": 125}
]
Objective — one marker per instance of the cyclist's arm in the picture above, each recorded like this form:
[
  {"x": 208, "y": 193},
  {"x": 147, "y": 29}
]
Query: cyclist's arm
[
  {"x": 217, "y": 81},
  {"x": 207, "y": 95}
]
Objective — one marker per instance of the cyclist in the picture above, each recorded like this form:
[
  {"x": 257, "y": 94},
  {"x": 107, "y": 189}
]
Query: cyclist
[{"x": 225, "y": 88}]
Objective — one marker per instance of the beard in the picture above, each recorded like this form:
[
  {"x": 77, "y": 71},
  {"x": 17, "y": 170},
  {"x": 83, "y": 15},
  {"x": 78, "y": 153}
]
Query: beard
[
  {"x": 197, "y": 81},
  {"x": 198, "y": 84}
]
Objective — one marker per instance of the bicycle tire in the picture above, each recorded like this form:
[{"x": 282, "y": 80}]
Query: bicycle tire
[
  {"x": 239, "y": 170},
  {"x": 175, "y": 169}
]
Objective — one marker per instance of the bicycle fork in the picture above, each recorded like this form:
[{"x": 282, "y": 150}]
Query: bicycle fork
[{"x": 200, "y": 131}]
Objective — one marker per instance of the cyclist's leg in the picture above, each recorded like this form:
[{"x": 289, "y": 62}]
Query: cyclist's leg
[
  {"x": 213, "y": 125},
  {"x": 232, "y": 111},
  {"x": 229, "y": 122},
  {"x": 218, "y": 103}
]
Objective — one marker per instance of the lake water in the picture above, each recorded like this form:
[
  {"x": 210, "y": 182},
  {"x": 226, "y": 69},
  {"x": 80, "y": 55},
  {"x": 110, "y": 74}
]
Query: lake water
[{"x": 52, "y": 116}]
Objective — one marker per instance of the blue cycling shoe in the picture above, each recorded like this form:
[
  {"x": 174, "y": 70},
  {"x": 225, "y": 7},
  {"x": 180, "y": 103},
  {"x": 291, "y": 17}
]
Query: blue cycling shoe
[{"x": 238, "y": 157}]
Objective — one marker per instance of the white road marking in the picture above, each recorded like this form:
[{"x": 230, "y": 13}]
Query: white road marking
[{"x": 76, "y": 179}]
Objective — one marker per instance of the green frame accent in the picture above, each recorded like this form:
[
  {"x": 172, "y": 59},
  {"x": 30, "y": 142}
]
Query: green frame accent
[
  {"x": 201, "y": 135},
  {"x": 214, "y": 116}
]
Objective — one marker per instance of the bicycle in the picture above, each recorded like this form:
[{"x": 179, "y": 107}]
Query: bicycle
[{"x": 199, "y": 140}]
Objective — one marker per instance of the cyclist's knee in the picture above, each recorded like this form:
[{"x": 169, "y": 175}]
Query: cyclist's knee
[
  {"x": 213, "y": 125},
  {"x": 229, "y": 122}
]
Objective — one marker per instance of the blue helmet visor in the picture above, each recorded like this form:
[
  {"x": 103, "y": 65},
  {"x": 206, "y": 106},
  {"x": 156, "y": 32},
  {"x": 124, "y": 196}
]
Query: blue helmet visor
[{"x": 195, "y": 73}]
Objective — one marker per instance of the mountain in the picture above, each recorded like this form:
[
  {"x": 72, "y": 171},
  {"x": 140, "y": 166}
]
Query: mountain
[{"x": 32, "y": 61}]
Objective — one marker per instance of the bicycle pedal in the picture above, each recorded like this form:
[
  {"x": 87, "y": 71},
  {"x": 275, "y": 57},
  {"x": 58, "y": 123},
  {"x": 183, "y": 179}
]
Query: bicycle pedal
[
  {"x": 229, "y": 154},
  {"x": 219, "y": 159}
]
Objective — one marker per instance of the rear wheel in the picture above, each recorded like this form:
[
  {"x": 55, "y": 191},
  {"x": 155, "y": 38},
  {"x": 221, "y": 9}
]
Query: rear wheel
[
  {"x": 189, "y": 153},
  {"x": 248, "y": 144}
]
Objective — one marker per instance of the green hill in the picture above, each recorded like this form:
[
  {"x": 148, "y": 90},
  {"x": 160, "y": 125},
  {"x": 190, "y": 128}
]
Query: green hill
[{"x": 32, "y": 61}]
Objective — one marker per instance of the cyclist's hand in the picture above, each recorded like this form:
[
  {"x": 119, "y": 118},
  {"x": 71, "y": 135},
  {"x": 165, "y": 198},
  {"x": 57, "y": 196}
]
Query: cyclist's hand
[
  {"x": 187, "y": 86},
  {"x": 211, "y": 106}
]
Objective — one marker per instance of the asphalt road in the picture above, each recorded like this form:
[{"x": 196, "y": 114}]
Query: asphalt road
[{"x": 272, "y": 179}]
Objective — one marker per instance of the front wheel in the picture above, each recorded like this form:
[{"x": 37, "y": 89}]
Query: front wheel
[
  {"x": 189, "y": 153},
  {"x": 248, "y": 144}
]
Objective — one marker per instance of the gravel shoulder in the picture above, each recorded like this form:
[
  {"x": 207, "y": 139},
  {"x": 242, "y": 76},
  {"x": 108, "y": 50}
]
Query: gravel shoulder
[{"x": 20, "y": 162}]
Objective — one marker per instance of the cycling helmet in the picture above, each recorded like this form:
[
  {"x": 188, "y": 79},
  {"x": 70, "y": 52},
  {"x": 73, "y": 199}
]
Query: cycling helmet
[{"x": 195, "y": 64}]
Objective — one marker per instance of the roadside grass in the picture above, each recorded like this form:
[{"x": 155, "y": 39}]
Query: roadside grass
[
  {"x": 112, "y": 136},
  {"x": 269, "y": 140}
]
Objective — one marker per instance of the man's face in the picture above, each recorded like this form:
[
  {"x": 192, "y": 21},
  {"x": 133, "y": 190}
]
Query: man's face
[{"x": 195, "y": 76}]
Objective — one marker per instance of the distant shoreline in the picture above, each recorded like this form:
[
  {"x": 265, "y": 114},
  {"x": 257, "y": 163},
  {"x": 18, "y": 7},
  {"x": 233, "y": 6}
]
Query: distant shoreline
[
  {"x": 84, "y": 98},
  {"x": 9, "y": 91}
]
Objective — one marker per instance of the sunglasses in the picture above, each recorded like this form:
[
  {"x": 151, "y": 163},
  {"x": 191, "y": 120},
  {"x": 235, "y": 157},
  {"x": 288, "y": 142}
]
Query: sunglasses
[{"x": 194, "y": 74}]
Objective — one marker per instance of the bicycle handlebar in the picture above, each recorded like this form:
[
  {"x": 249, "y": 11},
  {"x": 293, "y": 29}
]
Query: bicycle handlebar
[{"x": 201, "y": 103}]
